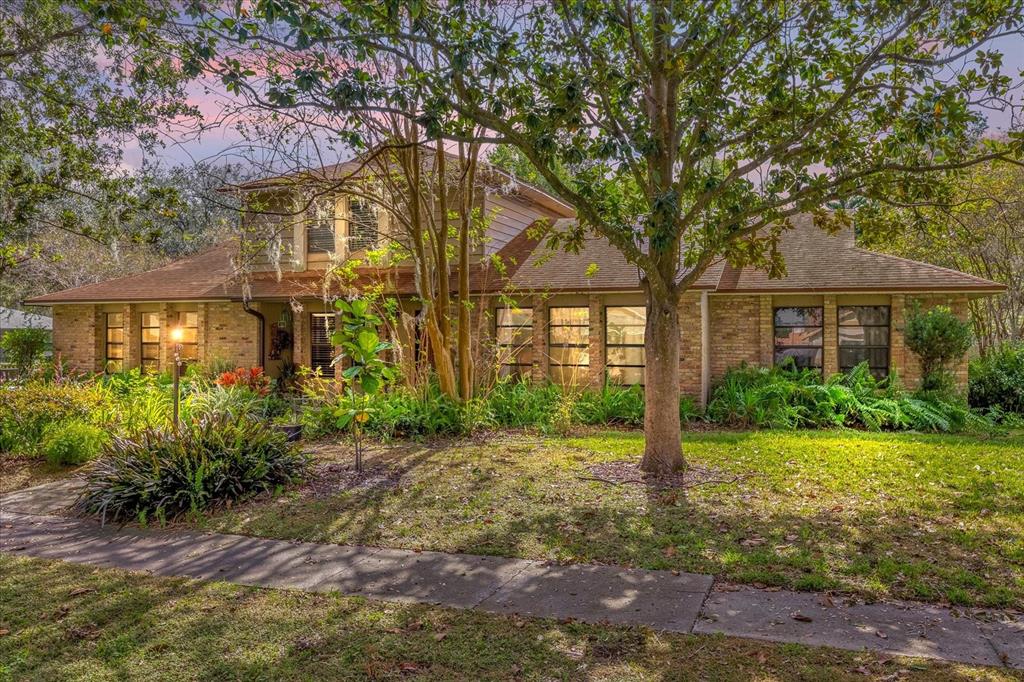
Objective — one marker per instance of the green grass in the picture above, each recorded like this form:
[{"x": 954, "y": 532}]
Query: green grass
[
  {"x": 929, "y": 518},
  {"x": 62, "y": 621}
]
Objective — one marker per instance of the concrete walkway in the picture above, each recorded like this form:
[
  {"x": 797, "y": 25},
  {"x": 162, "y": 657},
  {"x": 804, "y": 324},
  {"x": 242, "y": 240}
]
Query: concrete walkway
[{"x": 663, "y": 600}]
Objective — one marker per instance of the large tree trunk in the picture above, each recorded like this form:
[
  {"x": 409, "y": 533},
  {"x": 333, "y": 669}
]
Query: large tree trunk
[{"x": 663, "y": 452}]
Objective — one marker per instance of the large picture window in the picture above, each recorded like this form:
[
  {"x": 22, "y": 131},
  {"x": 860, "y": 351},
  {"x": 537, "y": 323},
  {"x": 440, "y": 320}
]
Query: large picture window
[
  {"x": 569, "y": 343},
  {"x": 864, "y": 337},
  {"x": 624, "y": 343},
  {"x": 321, "y": 349},
  {"x": 799, "y": 334},
  {"x": 320, "y": 226},
  {"x": 151, "y": 342},
  {"x": 114, "y": 349},
  {"x": 514, "y": 340}
]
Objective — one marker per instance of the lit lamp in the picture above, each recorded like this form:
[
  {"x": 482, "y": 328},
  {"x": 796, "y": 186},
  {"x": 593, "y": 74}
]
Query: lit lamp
[{"x": 177, "y": 334}]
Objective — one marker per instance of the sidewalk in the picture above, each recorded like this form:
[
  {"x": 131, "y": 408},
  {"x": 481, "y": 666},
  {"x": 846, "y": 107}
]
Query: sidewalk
[{"x": 661, "y": 600}]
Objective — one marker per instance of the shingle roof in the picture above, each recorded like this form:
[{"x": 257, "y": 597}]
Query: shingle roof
[{"x": 815, "y": 261}]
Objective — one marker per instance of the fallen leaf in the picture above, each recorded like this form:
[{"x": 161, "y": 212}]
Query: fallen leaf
[
  {"x": 80, "y": 590},
  {"x": 802, "y": 618},
  {"x": 4, "y": 632},
  {"x": 879, "y": 633},
  {"x": 408, "y": 667}
]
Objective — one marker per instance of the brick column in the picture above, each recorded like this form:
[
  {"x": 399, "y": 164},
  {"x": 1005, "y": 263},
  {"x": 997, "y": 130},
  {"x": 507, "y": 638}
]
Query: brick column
[
  {"x": 167, "y": 321},
  {"x": 897, "y": 346},
  {"x": 132, "y": 336},
  {"x": 541, "y": 360},
  {"x": 830, "y": 337},
  {"x": 690, "y": 344},
  {"x": 960, "y": 307},
  {"x": 766, "y": 325},
  {"x": 300, "y": 338},
  {"x": 201, "y": 320},
  {"x": 99, "y": 339},
  {"x": 595, "y": 373}
]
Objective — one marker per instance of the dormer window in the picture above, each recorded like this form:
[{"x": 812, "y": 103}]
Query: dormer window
[
  {"x": 320, "y": 226},
  {"x": 363, "y": 224}
]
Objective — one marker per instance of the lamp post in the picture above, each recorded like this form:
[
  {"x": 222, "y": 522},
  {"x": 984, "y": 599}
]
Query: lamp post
[{"x": 177, "y": 334}]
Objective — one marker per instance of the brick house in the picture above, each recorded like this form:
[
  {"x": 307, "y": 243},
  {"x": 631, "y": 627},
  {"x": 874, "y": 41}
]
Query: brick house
[{"x": 564, "y": 317}]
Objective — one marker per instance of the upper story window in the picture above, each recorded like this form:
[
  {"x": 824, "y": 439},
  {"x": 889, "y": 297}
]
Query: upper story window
[
  {"x": 320, "y": 218},
  {"x": 864, "y": 337},
  {"x": 799, "y": 334},
  {"x": 514, "y": 332},
  {"x": 569, "y": 343},
  {"x": 363, "y": 224},
  {"x": 624, "y": 341}
]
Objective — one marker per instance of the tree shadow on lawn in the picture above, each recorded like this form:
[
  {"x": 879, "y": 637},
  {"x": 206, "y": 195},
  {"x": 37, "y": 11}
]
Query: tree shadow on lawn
[
  {"x": 73, "y": 622},
  {"x": 962, "y": 556}
]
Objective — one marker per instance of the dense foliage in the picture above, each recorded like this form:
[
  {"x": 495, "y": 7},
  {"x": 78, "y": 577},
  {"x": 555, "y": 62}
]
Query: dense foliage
[
  {"x": 938, "y": 337},
  {"x": 789, "y": 398},
  {"x": 997, "y": 380},
  {"x": 24, "y": 347},
  {"x": 72, "y": 442},
  {"x": 160, "y": 475}
]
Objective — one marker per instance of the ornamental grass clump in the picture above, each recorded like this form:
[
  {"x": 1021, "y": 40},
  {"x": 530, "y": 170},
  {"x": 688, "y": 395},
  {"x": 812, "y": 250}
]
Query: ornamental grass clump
[{"x": 160, "y": 475}]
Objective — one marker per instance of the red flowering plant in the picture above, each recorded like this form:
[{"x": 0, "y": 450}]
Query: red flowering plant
[{"x": 254, "y": 379}]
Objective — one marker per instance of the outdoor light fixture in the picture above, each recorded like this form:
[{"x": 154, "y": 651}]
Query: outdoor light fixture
[{"x": 177, "y": 335}]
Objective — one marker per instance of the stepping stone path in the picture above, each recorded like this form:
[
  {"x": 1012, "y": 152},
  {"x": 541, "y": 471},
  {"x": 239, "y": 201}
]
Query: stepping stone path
[{"x": 662, "y": 600}]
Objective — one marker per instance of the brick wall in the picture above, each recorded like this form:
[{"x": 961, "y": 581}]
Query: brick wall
[
  {"x": 690, "y": 344},
  {"x": 231, "y": 334},
  {"x": 76, "y": 336},
  {"x": 736, "y": 332}
]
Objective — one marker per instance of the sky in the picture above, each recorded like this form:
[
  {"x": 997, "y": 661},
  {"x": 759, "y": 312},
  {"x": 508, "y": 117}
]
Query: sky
[{"x": 221, "y": 143}]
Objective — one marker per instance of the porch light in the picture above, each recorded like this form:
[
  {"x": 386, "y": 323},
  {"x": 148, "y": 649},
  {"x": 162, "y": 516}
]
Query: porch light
[{"x": 177, "y": 334}]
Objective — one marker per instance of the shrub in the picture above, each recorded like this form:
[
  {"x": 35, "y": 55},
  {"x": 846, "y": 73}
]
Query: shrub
[
  {"x": 24, "y": 347},
  {"x": 937, "y": 337},
  {"x": 997, "y": 380},
  {"x": 611, "y": 405},
  {"x": 253, "y": 379},
  {"x": 73, "y": 442},
  {"x": 516, "y": 403},
  {"x": 28, "y": 410},
  {"x": 211, "y": 461}
]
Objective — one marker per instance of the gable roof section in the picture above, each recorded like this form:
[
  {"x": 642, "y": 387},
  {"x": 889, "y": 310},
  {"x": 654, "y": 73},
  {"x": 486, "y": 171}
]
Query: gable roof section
[{"x": 816, "y": 262}]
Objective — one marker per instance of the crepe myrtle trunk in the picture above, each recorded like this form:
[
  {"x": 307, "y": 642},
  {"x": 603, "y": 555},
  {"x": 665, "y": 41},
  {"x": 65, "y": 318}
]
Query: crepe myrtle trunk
[{"x": 663, "y": 452}]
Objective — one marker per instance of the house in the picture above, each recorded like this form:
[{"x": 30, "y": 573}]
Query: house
[{"x": 567, "y": 317}]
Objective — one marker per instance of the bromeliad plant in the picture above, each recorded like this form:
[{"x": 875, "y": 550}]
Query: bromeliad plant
[{"x": 366, "y": 372}]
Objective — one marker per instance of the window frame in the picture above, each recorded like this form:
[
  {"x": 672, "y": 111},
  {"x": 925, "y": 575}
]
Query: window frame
[
  {"x": 776, "y": 348},
  {"x": 189, "y": 349},
  {"x": 108, "y": 344},
  {"x": 508, "y": 351},
  {"x": 608, "y": 345},
  {"x": 143, "y": 344},
  {"x": 329, "y": 369},
  {"x": 552, "y": 345},
  {"x": 355, "y": 242},
  {"x": 887, "y": 347}
]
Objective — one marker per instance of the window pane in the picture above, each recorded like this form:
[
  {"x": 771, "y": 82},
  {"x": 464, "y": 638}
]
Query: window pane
[
  {"x": 626, "y": 376},
  {"x": 864, "y": 314},
  {"x": 150, "y": 319},
  {"x": 569, "y": 316},
  {"x": 150, "y": 335},
  {"x": 799, "y": 317},
  {"x": 851, "y": 357},
  {"x": 115, "y": 351},
  {"x": 804, "y": 357},
  {"x": 569, "y": 355},
  {"x": 626, "y": 316},
  {"x": 863, "y": 336},
  {"x": 515, "y": 336},
  {"x": 150, "y": 351},
  {"x": 627, "y": 335},
  {"x": 798, "y": 336},
  {"x": 568, "y": 375},
  {"x": 115, "y": 335},
  {"x": 363, "y": 224},
  {"x": 570, "y": 335},
  {"x": 626, "y": 356},
  {"x": 514, "y": 317},
  {"x": 190, "y": 351},
  {"x": 115, "y": 320},
  {"x": 189, "y": 335},
  {"x": 515, "y": 355}
]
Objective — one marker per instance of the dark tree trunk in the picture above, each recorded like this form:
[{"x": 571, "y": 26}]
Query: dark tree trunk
[{"x": 663, "y": 452}]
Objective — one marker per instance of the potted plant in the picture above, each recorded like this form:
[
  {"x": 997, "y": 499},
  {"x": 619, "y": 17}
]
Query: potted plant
[{"x": 290, "y": 422}]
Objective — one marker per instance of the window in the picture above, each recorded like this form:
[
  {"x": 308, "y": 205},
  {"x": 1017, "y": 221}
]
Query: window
[
  {"x": 624, "y": 341},
  {"x": 363, "y": 224},
  {"x": 320, "y": 226},
  {"x": 864, "y": 337},
  {"x": 514, "y": 335},
  {"x": 799, "y": 335},
  {"x": 321, "y": 349},
  {"x": 115, "y": 342},
  {"x": 569, "y": 343},
  {"x": 151, "y": 342},
  {"x": 189, "y": 323}
]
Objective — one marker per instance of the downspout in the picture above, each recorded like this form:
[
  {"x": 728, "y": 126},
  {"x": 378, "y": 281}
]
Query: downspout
[
  {"x": 705, "y": 350},
  {"x": 261, "y": 325}
]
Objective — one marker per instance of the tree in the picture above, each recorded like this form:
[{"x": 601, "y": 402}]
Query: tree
[
  {"x": 682, "y": 132},
  {"x": 24, "y": 347},
  {"x": 938, "y": 338},
  {"x": 980, "y": 232},
  {"x": 78, "y": 82}
]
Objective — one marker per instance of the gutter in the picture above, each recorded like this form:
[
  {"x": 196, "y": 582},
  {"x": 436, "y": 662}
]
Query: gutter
[{"x": 261, "y": 325}]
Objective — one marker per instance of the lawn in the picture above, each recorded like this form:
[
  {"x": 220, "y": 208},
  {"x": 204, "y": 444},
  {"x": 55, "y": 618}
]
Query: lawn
[
  {"x": 63, "y": 621},
  {"x": 922, "y": 517}
]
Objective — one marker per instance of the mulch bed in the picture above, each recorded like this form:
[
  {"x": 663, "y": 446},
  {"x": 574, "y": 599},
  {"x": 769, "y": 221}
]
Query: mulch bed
[
  {"x": 335, "y": 477},
  {"x": 628, "y": 472}
]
